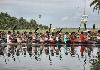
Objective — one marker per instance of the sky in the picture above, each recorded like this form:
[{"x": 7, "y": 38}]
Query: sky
[{"x": 59, "y": 13}]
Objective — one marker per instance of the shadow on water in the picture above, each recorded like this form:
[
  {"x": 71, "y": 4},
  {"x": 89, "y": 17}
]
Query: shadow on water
[{"x": 71, "y": 56}]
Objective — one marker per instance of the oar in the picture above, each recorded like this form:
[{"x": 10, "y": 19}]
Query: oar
[
  {"x": 50, "y": 28},
  {"x": 36, "y": 29},
  {"x": 79, "y": 29},
  {"x": 60, "y": 30},
  {"x": 14, "y": 28}
]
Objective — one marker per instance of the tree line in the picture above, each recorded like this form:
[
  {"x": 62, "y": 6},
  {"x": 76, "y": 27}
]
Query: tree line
[{"x": 10, "y": 22}]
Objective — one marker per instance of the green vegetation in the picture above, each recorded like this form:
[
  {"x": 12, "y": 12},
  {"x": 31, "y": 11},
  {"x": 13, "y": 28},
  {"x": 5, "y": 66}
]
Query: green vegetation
[
  {"x": 8, "y": 22},
  {"x": 96, "y": 4},
  {"x": 96, "y": 63}
]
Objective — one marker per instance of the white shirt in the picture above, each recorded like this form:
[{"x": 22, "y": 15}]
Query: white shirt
[
  {"x": 8, "y": 40},
  {"x": 57, "y": 38},
  {"x": 98, "y": 37}
]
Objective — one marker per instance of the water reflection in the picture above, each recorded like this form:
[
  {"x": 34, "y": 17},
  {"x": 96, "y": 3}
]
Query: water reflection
[{"x": 82, "y": 54}]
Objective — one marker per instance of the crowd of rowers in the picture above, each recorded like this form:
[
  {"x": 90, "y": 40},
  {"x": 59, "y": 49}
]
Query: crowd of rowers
[
  {"x": 50, "y": 38},
  {"x": 45, "y": 39}
]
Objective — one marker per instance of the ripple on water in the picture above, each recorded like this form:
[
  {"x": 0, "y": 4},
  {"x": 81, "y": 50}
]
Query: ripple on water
[{"x": 26, "y": 63}]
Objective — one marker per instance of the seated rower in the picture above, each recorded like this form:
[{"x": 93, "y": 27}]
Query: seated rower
[
  {"x": 83, "y": 38},
  {"x": 98, "y": 36},
  {"x": 19, "y": 39},
  {"x": 9, "y": 37},
  {"x": 73, "y": 38},
  {"x": 66, "y": 38}
]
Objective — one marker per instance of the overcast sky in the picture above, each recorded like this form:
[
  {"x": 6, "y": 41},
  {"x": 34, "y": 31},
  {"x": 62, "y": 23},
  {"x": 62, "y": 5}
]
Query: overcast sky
[{"x": 59, "y": 13}]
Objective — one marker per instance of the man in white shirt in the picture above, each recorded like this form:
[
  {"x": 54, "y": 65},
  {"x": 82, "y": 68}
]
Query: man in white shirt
[{"x": 8, "y": 37}]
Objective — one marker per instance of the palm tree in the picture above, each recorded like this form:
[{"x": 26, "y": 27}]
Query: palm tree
[{"x": 96, "y": 4}]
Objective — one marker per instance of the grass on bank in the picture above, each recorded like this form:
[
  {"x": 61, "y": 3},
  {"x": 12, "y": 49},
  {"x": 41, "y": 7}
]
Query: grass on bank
[{"x": 55, "y": 30}]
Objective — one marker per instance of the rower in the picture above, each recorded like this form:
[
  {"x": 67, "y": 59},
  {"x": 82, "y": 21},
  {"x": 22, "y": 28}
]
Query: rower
[
  {"x": 98, "y": 36},
  {"x": 19, "y": 39},
  {"x": 66, "y": 38},
  {"x": 8, "y": 37},
  {"x": 83, "y": 38},
  {"x": 73, "y": 37}
]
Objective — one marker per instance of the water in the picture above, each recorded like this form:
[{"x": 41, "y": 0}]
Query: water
[{"x": 38, "y": 58}]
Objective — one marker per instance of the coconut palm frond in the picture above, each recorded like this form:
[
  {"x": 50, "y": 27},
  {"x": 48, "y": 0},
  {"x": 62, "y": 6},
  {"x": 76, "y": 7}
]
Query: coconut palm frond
[
  {"x": 96, "y": 4},
  {"x": 93, "y": 3}
]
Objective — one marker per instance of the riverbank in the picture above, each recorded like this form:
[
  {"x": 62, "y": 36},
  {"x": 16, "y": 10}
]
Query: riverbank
[{"x": 52, "y": 30}]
